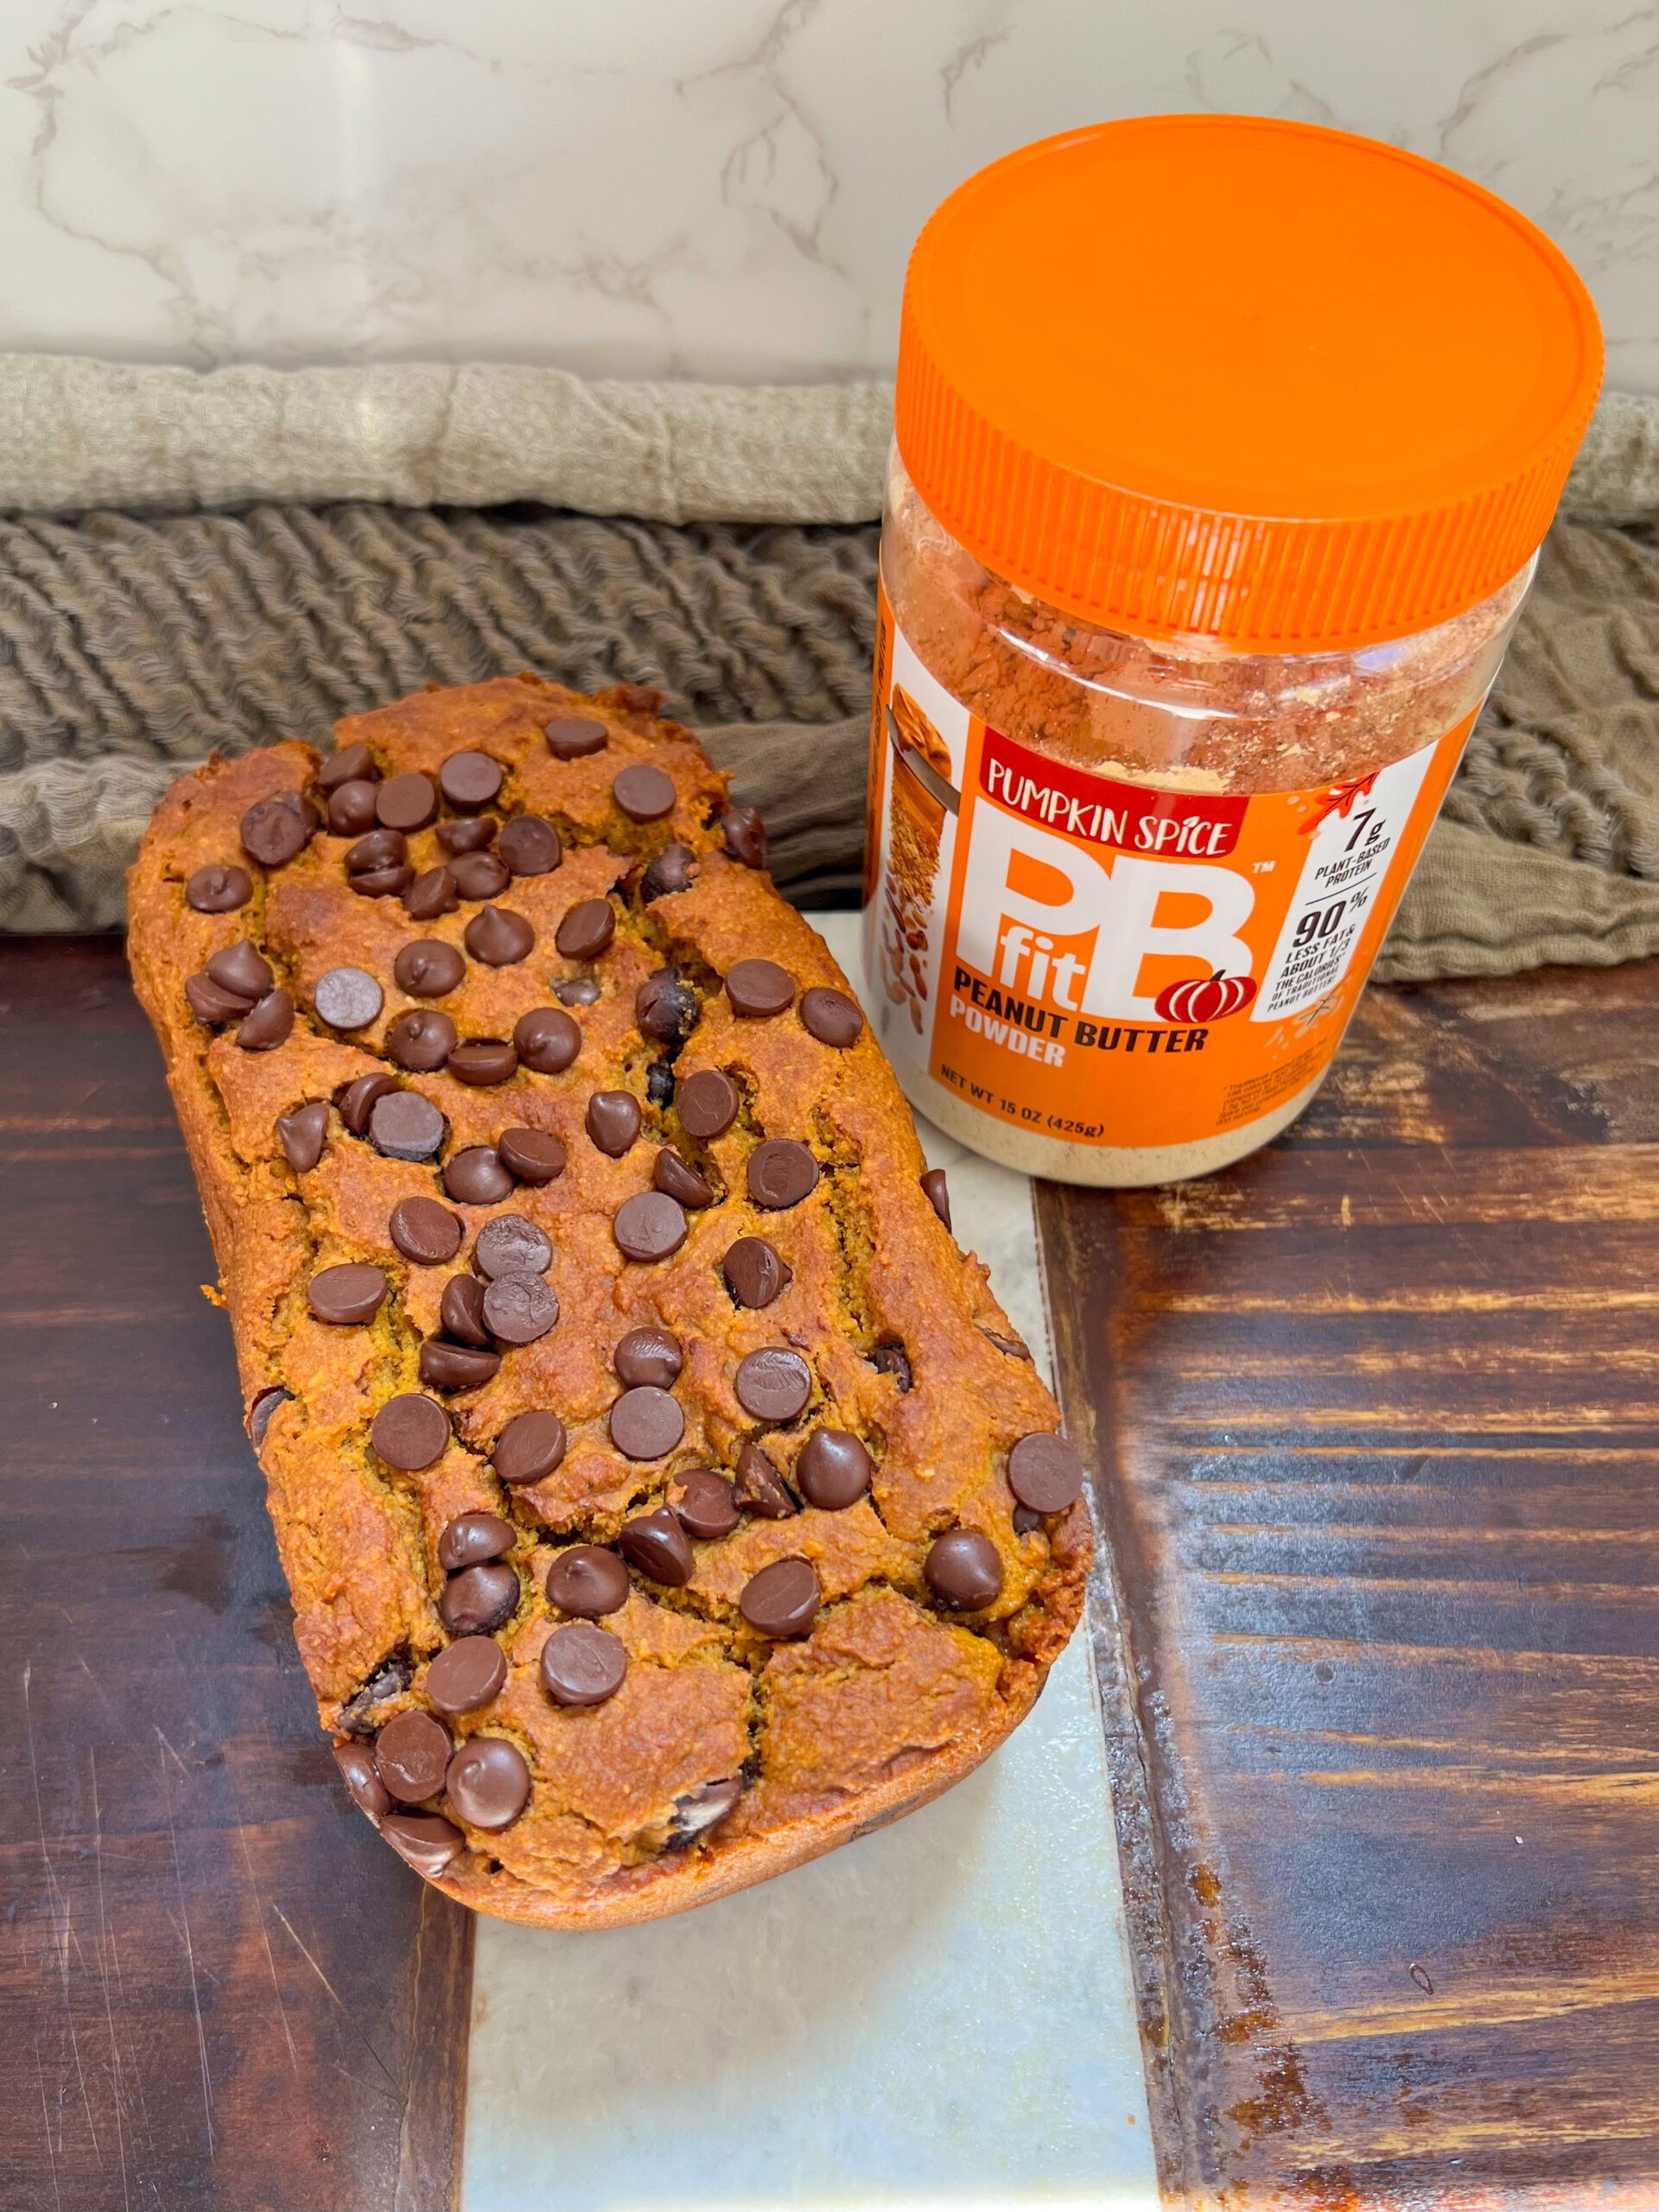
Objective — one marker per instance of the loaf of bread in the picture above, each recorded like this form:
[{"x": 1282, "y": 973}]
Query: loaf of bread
[{"x": 663, "y": 1495}]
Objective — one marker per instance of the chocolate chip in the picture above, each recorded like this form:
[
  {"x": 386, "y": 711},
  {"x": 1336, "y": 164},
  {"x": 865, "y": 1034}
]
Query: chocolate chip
[
  {"x": 410, "y": 1432},
  {"x": 425, "y": 1841},
  {"x": 895, "y": 1360},
  {"x": 404, "y": 1126},
  {"x": 648, "y": 1356},
  {"x": 475, "y": 1176},
  {"x": 390, "y": 1679},
  {"x": 708, "y": 1508},
  {"x": 589, "y": 1581},
  {"x": 657, "y": 1545},
  {"x": 582, "y": 1665},
  {"x": 480, "y": 876},
  {"x": 456, "y": 1367},
  {"x": 709, "y": 1104},
  {"x": 210, "y": 1002},
  {"x": 649, "y": 1227},
  {"x": 424, "y": 1232},
  {"x": 347, "y": 998},
  {"x": 421, "y": 1039},
  {"x": 1025, "y": 1520},
  {"x": 351, "y": 764},
  {"x": 773, "y": 1384},
  {"x": 781, "y": 1173},
  {"x": 963, "y": 1570},
  {"x": 483, "y": 1062},
  {"x": 833, "y": 1471},
  {"x": 260, "y": 1411},
  {"x": 270, "y": 1024},
  {"x": 274, "y": 830},
  {"x": 356, "y": 1102},
  {"x": 586, "y": 929},
  {"x": 646, "y": 1423},
  {"x": 1044, "y": 1473},
  {"x": 659, "y": 1083},
  {"x": 488, "y": 1782},
  {"x": 570, "y": 738},
  {"x": 360, "y": 1776},
  {"x": 665, "y": 1006},
  {"x": 644, "y": 793},
  {"x": 529, "y": 846},
  {"x": 746, "y": 836},
  {"x": 410, "y": 1754},
  {"x": 426, "y": 897},
  {"x": 759, "y": 1487},
  {"x": 754, "y": 1272},
  {"x": 461, "y": 1309},
  {"x": 476, "y": 1599},
  {"x": 783, "y": 1599},
  {"x": 218, "y": 890},
  {"x": 428, "y": 969},
  {"x": 831, "y": 1017},
  {"x": 670, "y": 872},
  {"x": 469, "y": 780},
  {"x": 578, "y": 990},
  {"x": 302, "y": 1134},
  {"x": 518, "y": 1309},
  {"x": 466, "y": 1676},
  {"x": 529, "y": 1448},
  {"x": 347, "y": 1296},
  {"x": 535, "y": 1156},
  {"x": 671, "y": 1176},
  {"x": 351, "y": 809},
  {"x": 699, "y": 1810},
  {"x": 760, "y": 988},
  {"x": 510, "y": 1245},
  {"x": 499, "y": 937},
  {"x": 467, "y": 837},
  {"x": 408, "y": 802},
  {"x": 242, "y": 969},
  {"x": 612, "y": 1121},
  {"x": 937, "y": 1193},
  {"x": 380, "y": 848},
  {"x": 546, "y": 1040},
  {"x": 387, "y": 882},
  {"x": 472, "y": 1540}
]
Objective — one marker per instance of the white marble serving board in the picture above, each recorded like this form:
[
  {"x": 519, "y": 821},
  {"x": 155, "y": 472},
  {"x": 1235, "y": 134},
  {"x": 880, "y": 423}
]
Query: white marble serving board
[{"x": 937, "y": 2015}]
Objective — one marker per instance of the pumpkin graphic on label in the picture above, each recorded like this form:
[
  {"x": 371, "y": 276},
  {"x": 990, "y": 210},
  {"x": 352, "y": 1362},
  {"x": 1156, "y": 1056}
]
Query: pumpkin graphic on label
[{"x": 1197, "y": 1001}]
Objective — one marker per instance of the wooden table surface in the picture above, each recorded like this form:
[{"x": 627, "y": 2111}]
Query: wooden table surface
[
  {"x": 218, "y": 1992},
  {"x": 1375, "y": 1414}
]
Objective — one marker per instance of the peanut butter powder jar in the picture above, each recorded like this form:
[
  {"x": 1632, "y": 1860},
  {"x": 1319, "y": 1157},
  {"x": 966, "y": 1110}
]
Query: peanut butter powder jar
[{"x": 1224, "y": 450}]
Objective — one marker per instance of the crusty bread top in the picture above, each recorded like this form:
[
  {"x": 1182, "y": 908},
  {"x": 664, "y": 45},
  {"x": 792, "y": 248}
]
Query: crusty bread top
[{"x": 893, "y": 1692}]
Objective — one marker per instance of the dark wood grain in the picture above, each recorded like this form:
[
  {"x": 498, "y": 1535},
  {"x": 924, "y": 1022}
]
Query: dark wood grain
[
  {"x": 220, "y": 1989},
  {"x": 1376, "y": 1414}
]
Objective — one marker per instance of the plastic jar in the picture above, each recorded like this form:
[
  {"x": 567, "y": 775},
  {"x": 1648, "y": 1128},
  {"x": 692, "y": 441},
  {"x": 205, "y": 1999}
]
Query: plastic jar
[{"x": 1222, "y": 451}]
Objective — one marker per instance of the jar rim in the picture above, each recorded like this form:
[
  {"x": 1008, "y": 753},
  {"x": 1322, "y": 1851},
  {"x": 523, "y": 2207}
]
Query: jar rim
[{"x": 1190, "y": 457}]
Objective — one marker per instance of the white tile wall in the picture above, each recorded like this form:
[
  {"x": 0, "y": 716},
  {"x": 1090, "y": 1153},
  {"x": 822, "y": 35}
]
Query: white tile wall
[{"x": 722, "y": 189}]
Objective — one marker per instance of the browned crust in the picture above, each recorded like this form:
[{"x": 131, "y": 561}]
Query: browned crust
[{"x": 888, "y": 1702}]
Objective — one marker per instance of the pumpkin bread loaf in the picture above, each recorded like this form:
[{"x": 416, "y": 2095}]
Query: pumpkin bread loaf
[{"x": 663, "y": 1497}]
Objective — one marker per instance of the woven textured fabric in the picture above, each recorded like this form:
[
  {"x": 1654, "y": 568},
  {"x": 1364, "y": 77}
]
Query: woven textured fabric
[{"x": 131, "y": 646}]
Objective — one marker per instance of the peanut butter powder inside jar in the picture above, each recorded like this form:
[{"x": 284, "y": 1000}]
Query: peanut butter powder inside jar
[{"x": 1223, "y": 450}]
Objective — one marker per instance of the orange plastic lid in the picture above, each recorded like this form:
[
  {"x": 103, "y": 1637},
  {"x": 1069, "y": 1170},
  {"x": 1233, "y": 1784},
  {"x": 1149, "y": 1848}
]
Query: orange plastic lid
[{"x": 1253, "y": 380}]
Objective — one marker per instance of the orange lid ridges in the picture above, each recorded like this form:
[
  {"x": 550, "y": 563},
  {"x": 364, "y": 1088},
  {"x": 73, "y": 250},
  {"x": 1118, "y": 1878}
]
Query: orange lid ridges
[{"x": 1257, "y": 381}]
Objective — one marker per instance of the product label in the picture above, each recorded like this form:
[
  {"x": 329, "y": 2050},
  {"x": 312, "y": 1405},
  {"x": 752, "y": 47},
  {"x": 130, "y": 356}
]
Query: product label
[{"x": 1112, "y": 963}]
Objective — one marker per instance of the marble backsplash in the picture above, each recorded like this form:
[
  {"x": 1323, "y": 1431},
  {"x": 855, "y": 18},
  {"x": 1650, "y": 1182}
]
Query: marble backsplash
[{"x": 726, "y": 190}]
